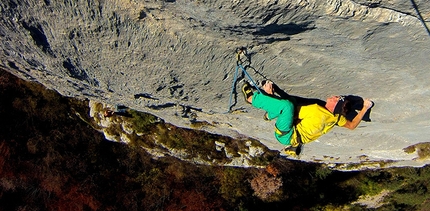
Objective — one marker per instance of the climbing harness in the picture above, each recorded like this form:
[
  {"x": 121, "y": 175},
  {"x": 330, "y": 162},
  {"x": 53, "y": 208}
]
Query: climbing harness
[{"x": 240, "y": 55}]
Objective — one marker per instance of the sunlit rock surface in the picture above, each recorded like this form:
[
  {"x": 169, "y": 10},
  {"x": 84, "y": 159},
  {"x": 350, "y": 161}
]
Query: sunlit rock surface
[{"x": 175, "y": 59}]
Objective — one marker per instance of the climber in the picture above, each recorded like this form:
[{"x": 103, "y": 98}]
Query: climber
[{"x": 302, "y": 124}]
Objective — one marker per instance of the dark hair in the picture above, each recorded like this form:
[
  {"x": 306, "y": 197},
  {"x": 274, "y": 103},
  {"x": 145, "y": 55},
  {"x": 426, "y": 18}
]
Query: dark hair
[{"x": 346, "y": 108}]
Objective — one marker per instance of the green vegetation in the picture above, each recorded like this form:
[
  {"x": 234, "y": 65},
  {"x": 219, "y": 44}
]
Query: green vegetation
[
  {"x": 142, "y": 122},
  {"x": 52, "y": 160},
  {"x": 233, "y": 187},
  {"x": 200, "y": 124},
  {"x": 322, "y": 172},
  {"x": 151, "y": 132},
  {"x": 422, "y": 149}
]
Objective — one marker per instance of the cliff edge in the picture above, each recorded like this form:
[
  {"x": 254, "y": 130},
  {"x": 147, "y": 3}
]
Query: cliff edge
[{"x": 176, "y": 60}]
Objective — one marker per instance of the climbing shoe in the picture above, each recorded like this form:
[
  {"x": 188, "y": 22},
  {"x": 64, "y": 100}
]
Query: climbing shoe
[
  {"x": 247, "y": 91},
  {"x": 293, "y": 151},
  {"x": 266, "y": 117}
]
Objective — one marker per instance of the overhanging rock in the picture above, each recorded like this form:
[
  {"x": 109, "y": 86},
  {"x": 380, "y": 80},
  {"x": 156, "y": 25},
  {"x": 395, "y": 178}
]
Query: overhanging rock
[{"x": 175, "y": 59}]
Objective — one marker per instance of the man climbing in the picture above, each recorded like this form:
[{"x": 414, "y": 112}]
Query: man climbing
[{"x": 309, "y": 122}]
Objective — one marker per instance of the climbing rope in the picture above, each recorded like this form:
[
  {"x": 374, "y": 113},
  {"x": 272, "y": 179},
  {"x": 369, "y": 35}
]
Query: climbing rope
[{"x": 241, "y": 57}]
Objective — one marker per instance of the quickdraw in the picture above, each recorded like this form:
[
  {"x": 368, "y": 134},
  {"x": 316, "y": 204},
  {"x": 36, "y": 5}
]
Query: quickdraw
[{"x": 241, "y": 57}]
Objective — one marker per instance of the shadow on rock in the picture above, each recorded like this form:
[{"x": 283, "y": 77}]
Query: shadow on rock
[
  {"x": 286, "y": 29},
  {"x": 420, "y": 17},
  {"x": 355, "y": 103}
]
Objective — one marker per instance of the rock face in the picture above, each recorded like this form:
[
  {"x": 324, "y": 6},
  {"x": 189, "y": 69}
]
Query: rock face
[{"x": 176, "y": 60}]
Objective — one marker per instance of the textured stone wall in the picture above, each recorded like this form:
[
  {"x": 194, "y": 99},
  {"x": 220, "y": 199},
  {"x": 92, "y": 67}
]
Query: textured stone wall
[{"x": 176, "y": 59}]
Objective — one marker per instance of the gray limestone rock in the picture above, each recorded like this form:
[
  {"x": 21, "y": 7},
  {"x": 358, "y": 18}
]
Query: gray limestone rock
[{"x": 176, "y": 60}]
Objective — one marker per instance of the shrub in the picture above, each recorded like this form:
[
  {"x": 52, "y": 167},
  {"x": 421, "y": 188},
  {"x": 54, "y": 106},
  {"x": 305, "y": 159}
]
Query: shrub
[
  {"x": 322, "y": 172},
  {"x": 141, "y": 121},
  {"x": 266, "y": 186},
  {"x": 232, "y": 186}
]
